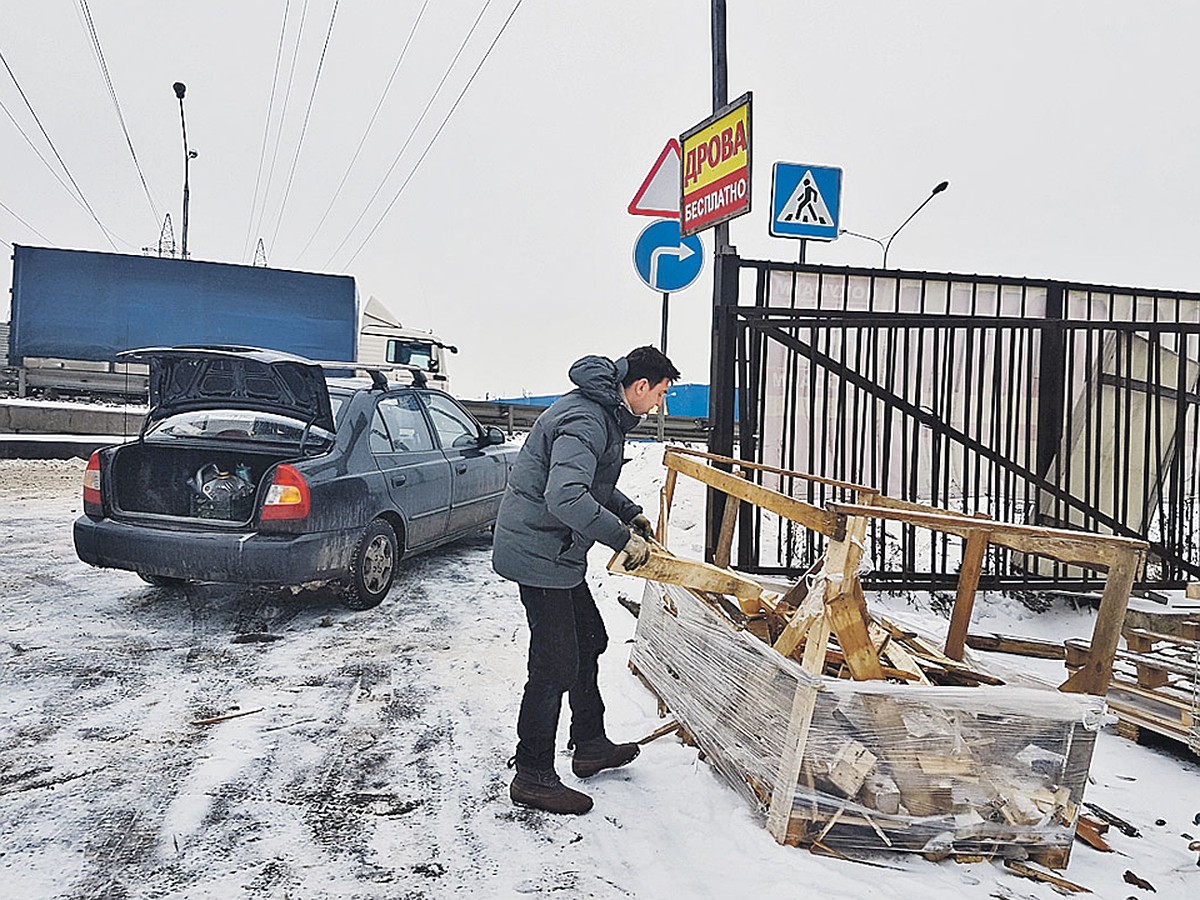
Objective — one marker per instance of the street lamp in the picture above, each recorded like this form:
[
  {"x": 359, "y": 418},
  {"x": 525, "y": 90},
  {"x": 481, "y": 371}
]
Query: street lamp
[
  {"x": 884, "y": 245},
  {"x": 188, "y": 156}
]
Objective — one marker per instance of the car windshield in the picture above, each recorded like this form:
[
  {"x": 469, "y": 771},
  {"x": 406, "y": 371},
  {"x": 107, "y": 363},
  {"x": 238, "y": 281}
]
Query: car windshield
[{"x": 237, "y": 424}]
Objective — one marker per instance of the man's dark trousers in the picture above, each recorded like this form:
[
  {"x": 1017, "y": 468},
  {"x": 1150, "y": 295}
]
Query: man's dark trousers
[{"x": 566, "y": 638}]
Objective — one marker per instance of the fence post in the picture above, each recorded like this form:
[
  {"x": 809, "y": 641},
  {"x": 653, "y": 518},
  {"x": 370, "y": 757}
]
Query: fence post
[{"x": 721, "y": 382}]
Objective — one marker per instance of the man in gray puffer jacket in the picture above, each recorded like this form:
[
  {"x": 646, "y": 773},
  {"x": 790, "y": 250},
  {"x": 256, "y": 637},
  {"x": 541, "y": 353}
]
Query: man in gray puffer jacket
[{"x": 562, "y": 498}]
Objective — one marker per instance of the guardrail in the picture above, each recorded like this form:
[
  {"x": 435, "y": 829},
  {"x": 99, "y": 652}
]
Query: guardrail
[{"x": 18, "y": 417}]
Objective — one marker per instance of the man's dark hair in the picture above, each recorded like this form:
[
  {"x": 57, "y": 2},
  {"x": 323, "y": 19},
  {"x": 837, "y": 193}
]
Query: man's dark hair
[{"x": 649, "y": 363}]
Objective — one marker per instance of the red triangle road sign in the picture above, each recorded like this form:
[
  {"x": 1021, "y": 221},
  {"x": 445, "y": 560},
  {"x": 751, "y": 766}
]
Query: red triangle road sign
[{"x": 659, "y": 193}]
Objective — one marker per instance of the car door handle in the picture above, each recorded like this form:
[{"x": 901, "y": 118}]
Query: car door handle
[
  {"x": 398, "y": 480},
  {"x": 461, "y": 468}
]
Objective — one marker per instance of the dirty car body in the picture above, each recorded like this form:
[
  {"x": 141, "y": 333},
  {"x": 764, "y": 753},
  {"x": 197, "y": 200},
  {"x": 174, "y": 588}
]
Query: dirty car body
[{"x": 253, "y": 468}]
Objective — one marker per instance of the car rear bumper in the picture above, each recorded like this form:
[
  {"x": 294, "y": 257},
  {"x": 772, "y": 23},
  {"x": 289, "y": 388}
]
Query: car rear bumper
[{"x": 232, "y": 557}]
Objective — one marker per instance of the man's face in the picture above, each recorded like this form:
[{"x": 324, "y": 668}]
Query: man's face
[{"x": 643, "y": 396}]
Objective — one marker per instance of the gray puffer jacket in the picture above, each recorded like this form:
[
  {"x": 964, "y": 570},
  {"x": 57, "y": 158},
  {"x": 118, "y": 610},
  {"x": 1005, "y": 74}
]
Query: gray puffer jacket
[{"x": 562, "y": 495}]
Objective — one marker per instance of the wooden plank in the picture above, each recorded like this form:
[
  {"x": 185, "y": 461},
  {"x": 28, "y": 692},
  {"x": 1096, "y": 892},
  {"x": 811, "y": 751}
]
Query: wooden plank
[
  {"x": 1179, "y": 698},
  {"x": 1002, "y": 643},
  {"x": 837, "y": 659},
  {"x": 689, "y": 573},
  {"x": 895, "y": 503},
  {"x": 1094, "y": 677},
  {"x": 783, "y": 792},
  {"x": 964, "y": 600},
  {"x": 815, "y": 647},
  {"x": 812, "y": 517},
  {"x": 1037, "y": 875},
  {"x": 845, "y": 606},
  {"x": 1155, "y": 637},
  {"x": 1080, "y": 548},
  {"x": 861, "y": 489},
  {"x": 1138, "y": 641},
  {"x": 936, "y": 662},
  {"x": 894, "y": 653},
  {"x": 666, "y": 495},
  {"x": 794, "y": 596},
  {"x": 725, "y": 535},
  {"x": 1151, "y": 676},
  {"x": 798, "y": 626}
]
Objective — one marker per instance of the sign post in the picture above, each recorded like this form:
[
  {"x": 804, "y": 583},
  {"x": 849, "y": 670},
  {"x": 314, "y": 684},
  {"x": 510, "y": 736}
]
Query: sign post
[{"x": 666, "y": 262}]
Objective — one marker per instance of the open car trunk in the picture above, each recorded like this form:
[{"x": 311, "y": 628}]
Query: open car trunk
[{"x": 221, "y": 484}]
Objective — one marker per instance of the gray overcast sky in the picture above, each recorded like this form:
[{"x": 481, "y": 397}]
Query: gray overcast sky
[{"x": 1068, "y": 131}]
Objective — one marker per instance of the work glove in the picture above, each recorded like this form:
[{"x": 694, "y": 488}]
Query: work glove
[
  {"x": 636, "y": 551},
  {"x": 641, "y": 525}
]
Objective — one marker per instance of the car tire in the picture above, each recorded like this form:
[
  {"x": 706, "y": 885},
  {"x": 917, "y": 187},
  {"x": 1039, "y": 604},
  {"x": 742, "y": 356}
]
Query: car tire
[
  {"x": 372, "y": 567},
  {"x": 162, "y": 581}
]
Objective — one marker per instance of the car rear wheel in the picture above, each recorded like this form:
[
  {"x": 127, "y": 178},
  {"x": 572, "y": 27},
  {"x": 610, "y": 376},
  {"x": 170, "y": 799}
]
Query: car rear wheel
[
  {"x": 162, "y": 581},
  {"x": 373, "y": 567}
]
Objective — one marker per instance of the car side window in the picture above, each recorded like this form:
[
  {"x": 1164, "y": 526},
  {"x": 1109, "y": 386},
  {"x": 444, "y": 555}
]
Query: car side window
[
  {"x": 380, "y": 441},
  {"x": 406, "y": 425},
  {"x": 454, "y": 425}
]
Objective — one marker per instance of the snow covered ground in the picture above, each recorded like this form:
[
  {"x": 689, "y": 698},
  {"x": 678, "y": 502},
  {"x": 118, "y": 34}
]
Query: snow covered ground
[{"x": 371, "y": 758}]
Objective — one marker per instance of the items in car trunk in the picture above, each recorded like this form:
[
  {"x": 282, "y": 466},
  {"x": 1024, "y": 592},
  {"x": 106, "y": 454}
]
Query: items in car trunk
[{"x": 222, "y": 495}]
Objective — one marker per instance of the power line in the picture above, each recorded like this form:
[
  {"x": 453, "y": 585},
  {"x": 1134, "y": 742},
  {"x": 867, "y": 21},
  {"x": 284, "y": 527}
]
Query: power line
[
  {"x": 413, "y": 131},
  {"x": 387, "y": 87},
  {"x": 12, "y": 213},
  {"x": 304, "y": 127},
  {"x": 81, "y": 198},
  {"x": 287, "y": 95},
  {"x": 112, "y": 93},
  {"x": 429, "y": 146},
  {"x": 262, "y": 154}
]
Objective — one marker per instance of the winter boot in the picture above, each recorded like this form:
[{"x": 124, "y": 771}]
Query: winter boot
[
  {"x": 541, "y": 789},
  {"x": 599, "y": 754}
]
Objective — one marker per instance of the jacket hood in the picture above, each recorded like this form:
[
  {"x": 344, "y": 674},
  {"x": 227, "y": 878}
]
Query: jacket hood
[{"x": 599, "y": 379}]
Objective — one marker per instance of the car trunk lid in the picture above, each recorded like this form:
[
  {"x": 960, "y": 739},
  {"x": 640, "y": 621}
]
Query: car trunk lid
[{"x": 190, "y": 378}]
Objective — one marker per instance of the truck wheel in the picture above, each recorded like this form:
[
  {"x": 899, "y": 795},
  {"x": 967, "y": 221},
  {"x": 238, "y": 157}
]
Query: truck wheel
[
  {"x": 372, "y": 567},
  {"x": 162, "y": 581}
]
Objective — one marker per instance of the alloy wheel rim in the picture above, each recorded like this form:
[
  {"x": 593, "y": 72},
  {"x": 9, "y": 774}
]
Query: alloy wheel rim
[{"x": 378, "y": 568}]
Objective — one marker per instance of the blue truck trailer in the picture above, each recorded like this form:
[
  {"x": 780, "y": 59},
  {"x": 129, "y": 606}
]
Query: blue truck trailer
[
  {"x": 88, "y": 306},
  {"x": 73, "y": 311}
]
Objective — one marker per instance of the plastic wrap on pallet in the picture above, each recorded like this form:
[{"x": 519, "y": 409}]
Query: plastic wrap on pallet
[{"x": 992, "y": 769}]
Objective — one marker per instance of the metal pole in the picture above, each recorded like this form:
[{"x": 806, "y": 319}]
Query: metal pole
[
  {"x": 941, "y": 186},
  {"x": 662, "y": 424},
  {"x": 720, "y": 435},
  {"x": 663, "y": 345},
  {"x": 720, "y": 96},
  {"x": 180, "y": 89}
]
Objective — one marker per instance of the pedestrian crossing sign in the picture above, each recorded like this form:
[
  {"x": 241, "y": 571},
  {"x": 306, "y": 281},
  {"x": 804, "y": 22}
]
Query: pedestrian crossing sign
[{"x": 806, "y": 201}]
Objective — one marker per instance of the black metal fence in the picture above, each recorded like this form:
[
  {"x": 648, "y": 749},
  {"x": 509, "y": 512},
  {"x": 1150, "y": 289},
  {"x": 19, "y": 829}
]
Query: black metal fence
[{"x": 1030, "y": 401}]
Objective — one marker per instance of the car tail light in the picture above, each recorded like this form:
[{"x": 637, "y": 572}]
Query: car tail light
[
  {"x": 91, "y": 487},
  {"x": 287, "y": 497}
]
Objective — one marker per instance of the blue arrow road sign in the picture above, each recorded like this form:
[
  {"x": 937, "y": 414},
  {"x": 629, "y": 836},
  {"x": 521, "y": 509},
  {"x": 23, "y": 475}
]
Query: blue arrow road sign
[
  {"x": 805, "y": 201},
  {"x": 665, "y": 261}
]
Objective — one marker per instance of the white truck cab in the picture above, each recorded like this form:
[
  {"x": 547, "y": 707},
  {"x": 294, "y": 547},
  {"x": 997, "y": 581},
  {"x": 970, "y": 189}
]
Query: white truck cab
[{"x": 385, "y": 344}]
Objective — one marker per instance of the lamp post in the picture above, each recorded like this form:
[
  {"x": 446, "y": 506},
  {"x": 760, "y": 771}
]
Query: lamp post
[
  {"x": 188, "y": 156},
  {"x": 885, "y": 245}
]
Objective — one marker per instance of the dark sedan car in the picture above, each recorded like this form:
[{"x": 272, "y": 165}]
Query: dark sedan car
[{"x": 253, "y": 468}]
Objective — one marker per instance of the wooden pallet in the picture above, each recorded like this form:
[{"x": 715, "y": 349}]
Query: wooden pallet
[
  {"x": 836, "y": 758},
  {"x": 1154, "y": 686}
]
